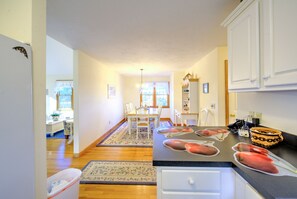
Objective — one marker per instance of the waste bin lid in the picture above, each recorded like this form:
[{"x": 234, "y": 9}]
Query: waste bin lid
[{"x": 62, "y": 180}]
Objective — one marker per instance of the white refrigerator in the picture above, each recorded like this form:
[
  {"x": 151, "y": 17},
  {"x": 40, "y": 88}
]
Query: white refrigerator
[{"x": 16, "y": 121}]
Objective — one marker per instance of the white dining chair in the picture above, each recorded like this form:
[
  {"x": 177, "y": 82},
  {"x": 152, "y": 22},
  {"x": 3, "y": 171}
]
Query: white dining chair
[
  {"x": 159, "y": 116},
  {"x": 177, "y": 117},
  {"x": 203, "y": 117},
  {"x": 68, "y": 131},
  {"x": 126, "y": 109},
  {"x": 142, "y": 122},
  {"x": 132, "y": 107}
]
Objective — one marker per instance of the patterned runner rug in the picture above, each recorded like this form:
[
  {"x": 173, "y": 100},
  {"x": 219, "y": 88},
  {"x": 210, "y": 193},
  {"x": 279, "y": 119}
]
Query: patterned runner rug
[
  {"x": 119, "y": 172},
  {"x": 121, "y": 137}
]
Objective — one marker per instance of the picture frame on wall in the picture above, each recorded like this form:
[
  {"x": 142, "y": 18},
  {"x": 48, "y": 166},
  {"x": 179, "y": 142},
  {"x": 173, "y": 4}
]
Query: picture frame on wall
[
  {"x": 205, "y": 88},
  {"x": 111, "y": 91}
]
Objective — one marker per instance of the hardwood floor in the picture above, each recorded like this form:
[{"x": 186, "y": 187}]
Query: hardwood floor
[{"x": 60, "y": 156}]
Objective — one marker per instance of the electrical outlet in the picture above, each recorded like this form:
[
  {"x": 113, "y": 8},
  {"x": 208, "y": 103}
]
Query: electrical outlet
[
  {"x": 109, "y": 122},
  {"x": 213, "y": 106}
]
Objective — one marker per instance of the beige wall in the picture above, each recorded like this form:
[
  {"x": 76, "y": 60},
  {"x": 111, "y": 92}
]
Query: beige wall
[
  {"x": 26, "y": 21},
  {"x": 210, "y": 69},
  {"x": 279, "y": 109},
  {"x": 15, "y": 19},
  {"x": 176, "y": 84},
  {"x": 131, "y": 90},
  {"x": 94, "y": 113}
]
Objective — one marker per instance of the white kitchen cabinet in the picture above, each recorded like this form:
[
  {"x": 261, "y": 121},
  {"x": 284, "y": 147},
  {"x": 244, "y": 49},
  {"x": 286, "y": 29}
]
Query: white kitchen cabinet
[
  {"x": 262, "y": 43},
  {"x": 279, "y": 44},
  {"x": 243, "y": 190},
  {"x": 190, "y": 96},
  {"x": 195, "y": 182},
  {"x": 243, "y": 46}
]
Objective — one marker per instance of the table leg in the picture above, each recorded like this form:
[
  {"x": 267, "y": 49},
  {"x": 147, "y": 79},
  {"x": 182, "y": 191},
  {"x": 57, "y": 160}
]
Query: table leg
[{"x": 156, "y": 122}]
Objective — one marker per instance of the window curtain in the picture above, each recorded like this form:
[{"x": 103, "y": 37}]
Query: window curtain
[
  {"x": 162, "y": 88},
  {"x": 64, "y": 87}
]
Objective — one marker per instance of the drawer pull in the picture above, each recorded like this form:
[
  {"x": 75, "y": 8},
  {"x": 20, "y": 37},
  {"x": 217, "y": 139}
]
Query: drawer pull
[{"x": 191, "y": 181}]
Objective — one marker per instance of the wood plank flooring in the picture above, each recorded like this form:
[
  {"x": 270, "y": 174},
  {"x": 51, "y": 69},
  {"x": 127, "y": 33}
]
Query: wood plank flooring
[{"x": 60, "y": 156}]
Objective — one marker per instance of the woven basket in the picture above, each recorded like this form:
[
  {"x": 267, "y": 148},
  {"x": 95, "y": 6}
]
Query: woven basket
[{"x": 265, "y": 137}]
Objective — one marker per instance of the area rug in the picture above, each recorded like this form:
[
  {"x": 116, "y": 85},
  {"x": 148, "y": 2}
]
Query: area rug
[
  {"x": 58, "y": 135},
  {"x": 120, "y": 137},
  {"x": 119, "y": 172}
]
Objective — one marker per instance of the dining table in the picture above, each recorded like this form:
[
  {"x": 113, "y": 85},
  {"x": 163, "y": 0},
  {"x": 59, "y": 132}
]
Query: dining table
[{"x": 151, "y": 113}]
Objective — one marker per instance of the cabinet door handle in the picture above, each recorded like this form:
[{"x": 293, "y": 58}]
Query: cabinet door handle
[
  {"x": 191, "y": 181},
  {"x": 265, "y": 77}
]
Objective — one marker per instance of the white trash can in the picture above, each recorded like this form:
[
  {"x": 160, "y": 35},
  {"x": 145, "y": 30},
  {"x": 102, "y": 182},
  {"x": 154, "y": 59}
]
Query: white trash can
[{"x": 64, "y": 184}]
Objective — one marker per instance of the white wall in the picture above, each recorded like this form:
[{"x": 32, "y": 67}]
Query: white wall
[
  {"x": 131, "y": 90},
  {"x": 25, "y": 21},
  {"x": 59, "y": 66},
  {"x": 210, "y": 69},
  {"x": 279, "y": 109},
  {"x": 94, "y": 113},
  {"x": 59, "y": 58}
]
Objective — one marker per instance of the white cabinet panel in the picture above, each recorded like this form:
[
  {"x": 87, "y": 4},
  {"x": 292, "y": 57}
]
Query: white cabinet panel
[
  {"x": 243, "y": 44},
  {"x": 279, "y": 42},
  {"x": 269, "y": 26},
  {"x": 195, "y": 182},
  {"x": 184, "y": 195},
  {"x": 250, "y": 192},
  {"x": 17, "y": 134},
  {"x": 244, "y": 190},
  {"x": 180, "y": 180}
]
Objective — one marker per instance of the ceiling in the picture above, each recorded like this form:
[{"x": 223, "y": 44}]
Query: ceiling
[{"x": 158, "y": 35}]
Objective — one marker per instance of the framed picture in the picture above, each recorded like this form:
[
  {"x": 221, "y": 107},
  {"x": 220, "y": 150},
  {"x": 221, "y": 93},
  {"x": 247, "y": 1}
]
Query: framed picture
[
  {"x": 205, "y": 88},
  {"x": 111, "y": 91}
]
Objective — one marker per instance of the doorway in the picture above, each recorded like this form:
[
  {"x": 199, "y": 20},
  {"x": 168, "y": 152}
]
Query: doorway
[{"x": 230, "y": 100}]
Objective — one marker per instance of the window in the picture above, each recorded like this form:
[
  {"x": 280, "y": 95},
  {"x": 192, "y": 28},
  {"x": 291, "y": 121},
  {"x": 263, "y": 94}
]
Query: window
[
  {"x": 64, "y": 95},
  {"x": 155, "y": 94}
]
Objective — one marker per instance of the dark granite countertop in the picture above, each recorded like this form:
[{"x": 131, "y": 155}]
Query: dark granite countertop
[{"x": 269, "y": 186}]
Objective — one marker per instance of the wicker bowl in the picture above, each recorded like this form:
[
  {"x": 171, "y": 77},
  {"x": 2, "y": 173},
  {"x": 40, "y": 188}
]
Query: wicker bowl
[{"x": 265, "y": 137}]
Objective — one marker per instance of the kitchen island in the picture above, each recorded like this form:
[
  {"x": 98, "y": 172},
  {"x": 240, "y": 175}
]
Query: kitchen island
[{"x": 221, "y": 172}]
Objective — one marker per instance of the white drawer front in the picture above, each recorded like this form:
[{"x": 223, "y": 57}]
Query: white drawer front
[
  {"x": 179, "y": 180},
  {"x": 177, "y": 195}
]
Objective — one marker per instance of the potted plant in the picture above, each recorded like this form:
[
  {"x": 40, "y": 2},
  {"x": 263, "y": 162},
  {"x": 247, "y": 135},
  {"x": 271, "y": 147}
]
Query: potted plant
[{"x": 55, "y": 116}]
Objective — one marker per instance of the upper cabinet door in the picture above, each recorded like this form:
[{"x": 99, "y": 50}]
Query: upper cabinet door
[
  {"x": 243, "y": 47},
  {"x": 280, "y": 43}
]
